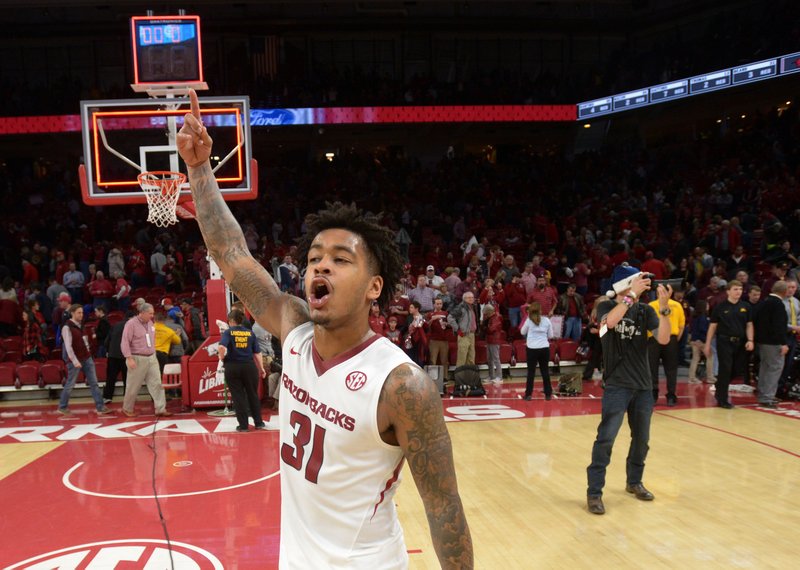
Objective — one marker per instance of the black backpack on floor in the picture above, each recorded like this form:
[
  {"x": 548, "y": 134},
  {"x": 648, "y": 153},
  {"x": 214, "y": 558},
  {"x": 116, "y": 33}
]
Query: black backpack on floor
[{"x": 468, "y": 381}]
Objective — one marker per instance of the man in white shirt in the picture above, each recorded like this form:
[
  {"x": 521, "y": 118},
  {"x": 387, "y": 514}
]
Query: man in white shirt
[
  {"x": 157, "y": 262},
  {"x": 434, "y": 280},
  {"x": 74, "y": 281}
]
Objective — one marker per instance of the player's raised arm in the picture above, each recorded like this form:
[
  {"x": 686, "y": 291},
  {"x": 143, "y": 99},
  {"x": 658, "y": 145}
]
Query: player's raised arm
[
  {"x": 277, "y": 312},
  {"x": 412, "y": 406}
]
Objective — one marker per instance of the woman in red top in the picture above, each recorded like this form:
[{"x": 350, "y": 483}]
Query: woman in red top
[
  {"x": 33, "y": 346},
  {"x": 493, "y": 325}
]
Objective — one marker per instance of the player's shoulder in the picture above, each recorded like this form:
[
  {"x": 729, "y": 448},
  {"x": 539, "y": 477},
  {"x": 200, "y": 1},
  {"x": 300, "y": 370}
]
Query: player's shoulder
[
  {"x": 300, "y": 332},
  {"x": 407, "y": 382}
]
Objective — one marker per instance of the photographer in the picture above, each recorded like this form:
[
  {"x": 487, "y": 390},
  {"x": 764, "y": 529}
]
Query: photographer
[{"x": 623, "y": 322}]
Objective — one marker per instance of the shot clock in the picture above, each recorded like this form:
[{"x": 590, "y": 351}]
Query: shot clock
[{"x": 166, "y": 50}]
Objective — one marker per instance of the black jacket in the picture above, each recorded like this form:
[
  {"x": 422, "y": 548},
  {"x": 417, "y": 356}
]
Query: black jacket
[
  {"x": 770, "y": 321},
  {"x": 114, "y": 340}
]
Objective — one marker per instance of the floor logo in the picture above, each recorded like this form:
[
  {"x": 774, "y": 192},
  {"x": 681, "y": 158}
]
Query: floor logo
[{"x": 136, "y": 553}]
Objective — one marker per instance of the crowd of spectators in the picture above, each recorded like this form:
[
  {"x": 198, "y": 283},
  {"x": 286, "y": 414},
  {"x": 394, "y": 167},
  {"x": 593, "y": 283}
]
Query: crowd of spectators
[{"x": 498, "y": 226}]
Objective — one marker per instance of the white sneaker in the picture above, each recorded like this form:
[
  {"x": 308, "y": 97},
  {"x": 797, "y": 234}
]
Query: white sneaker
[
  {"x": 694, "y": 381},
  {"x": 497, "y": 381}
]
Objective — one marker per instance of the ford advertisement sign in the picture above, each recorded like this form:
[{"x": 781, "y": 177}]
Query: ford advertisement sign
[{"x": 278, "y": 117}]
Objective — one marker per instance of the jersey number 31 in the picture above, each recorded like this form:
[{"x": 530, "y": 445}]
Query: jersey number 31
[{"x": 294, "y": 454}]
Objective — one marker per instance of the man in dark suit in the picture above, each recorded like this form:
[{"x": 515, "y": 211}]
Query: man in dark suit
[{"x": 769, "y": 323}]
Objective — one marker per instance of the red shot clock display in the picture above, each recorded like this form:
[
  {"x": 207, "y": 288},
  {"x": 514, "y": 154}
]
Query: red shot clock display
[{"x": 166, "y": 50}]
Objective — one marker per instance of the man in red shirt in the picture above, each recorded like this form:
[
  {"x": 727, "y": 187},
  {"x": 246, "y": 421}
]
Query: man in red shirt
[
  {"x": 439, "y": 334},
  {"x": 714, "y": 293},
  {"x": 62, "y": 266},
  {"x": 515, "y": 298},
  {"x": 29, "y": 273},
  {"x": 654, "y": 266},
  {"x": 545, "y": 296},
  {"x": 101, "y": 290},
  {"x": 398, "y": 307}
]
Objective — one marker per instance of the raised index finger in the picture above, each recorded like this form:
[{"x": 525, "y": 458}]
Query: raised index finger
[{"x": 195, "y": 103}]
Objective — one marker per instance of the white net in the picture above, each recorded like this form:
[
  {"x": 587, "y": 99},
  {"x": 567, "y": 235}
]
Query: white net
[{"x": 162, "y": 190}]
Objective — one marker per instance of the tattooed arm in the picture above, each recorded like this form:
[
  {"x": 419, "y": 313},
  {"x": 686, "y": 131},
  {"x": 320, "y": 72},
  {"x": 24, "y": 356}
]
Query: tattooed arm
[
  {"x": 277, "y": 312},
  {"x": 410, "y": 415}
]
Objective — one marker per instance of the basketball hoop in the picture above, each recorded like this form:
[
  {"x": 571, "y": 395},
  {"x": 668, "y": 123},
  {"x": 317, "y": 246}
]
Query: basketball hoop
[{"x": 162, "y": 189}]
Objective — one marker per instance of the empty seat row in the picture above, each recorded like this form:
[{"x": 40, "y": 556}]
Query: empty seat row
[{"x": 51, "y": 372}]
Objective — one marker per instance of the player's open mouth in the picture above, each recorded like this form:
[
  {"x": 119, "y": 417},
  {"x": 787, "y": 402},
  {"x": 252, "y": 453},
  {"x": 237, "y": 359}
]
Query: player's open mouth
[{"x": 319, "y": 293}]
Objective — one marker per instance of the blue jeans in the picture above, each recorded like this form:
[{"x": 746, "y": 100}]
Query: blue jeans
[
  {"x": 572, "y": 330},
  {"x": 91, "y": 380},
  {"x": 513, "y": 316},
  {"x": 639, "y": 406}
]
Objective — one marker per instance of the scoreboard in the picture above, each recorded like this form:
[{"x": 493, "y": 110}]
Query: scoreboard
[{"x": 697, "y": 85}]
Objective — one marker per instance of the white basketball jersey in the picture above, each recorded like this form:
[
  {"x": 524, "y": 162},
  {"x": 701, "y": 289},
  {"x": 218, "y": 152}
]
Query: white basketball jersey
[{"x": 338, "y": 478}]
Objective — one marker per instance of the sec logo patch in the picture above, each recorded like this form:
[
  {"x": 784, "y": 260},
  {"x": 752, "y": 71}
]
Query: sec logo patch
[
  {"x": 133, "y": 553},
  {"x": 355, "y": 380}
]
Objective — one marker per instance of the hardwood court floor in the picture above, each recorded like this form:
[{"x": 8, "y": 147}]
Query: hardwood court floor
[{"x": 725, "y": 483}]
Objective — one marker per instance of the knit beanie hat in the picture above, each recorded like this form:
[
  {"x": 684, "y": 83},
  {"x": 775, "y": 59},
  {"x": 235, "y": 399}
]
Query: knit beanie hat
[{"x": 621, "y": 279}]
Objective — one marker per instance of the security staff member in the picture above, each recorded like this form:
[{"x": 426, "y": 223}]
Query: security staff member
[
  {"x": 241, "y": 357},
  {"x": 732, "y": 323},
  {"x": 667, "y": 354}
]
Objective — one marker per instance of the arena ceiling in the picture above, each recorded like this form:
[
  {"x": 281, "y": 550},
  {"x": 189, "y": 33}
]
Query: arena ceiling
[{"x": 559, "y": 15}]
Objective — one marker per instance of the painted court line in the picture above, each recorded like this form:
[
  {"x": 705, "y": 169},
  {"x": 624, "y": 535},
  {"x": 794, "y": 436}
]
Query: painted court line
[
  {"x": 739, "y": 435},
  {"x": 69, "y": 485}
]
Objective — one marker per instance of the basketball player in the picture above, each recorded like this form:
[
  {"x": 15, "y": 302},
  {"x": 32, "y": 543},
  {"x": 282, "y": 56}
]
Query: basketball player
[{"x": 353, "y": 406}]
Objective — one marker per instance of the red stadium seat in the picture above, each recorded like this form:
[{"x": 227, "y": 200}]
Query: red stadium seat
[
  {"x": 568, "y": 350},
  {"x": 55, "y": 354},
  {"x": 11, "y": 315},
  {"x": 520, "y": 351},
  {"x": 140, "y": 292},
  {"x": 11, "y": 343},
  {"x": 506, "y": 351},
  {"x": 101, "y": 367},
  {"x": 53, "y": 372},
  {"x": 13, "y": 356},
  {"x": 114, "y": 317},
  {"x": 8, "y": 373},
  {"x": 28, "y": 373}
]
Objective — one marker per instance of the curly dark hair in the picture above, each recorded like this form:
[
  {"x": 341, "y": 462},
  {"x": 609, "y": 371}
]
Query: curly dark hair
[{"x": 379, "y": 240}]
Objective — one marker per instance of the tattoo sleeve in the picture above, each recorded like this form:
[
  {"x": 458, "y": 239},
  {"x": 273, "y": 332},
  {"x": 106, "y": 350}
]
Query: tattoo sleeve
[
  {"x": 245, "y": 276},
  {"x": 414, "y": 407}
]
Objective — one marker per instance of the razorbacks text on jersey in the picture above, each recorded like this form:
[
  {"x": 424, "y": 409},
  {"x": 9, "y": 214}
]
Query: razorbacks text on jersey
[{"x": 338, "y": 477}]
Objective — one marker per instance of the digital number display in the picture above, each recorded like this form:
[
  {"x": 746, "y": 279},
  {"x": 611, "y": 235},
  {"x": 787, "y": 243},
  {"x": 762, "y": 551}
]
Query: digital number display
[
  {"x": 630, "y": 100},
  {"x": 166, "y": 50},
  {"x": 668, "y": 91},
  {"x": 710, "y": 81},
  {"x": 697, "y": 85},
  {"x": 755, "y": 71},
  {"x": 595, "y": 108},
  {"x": 159, "y": 34}
]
